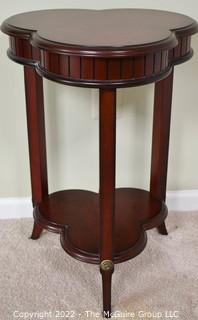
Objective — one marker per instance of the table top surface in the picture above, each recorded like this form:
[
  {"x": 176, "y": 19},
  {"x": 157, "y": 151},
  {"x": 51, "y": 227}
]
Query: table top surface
[
  {"x": 112, "y": 28},
  {"x": 97, "y": 48}
]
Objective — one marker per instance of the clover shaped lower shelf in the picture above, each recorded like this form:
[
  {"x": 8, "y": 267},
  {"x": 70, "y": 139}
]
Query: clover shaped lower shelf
[{"x": 75, "y": 215}]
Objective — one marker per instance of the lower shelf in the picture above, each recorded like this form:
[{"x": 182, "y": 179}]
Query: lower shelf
[{"x": 75, "y": 215}]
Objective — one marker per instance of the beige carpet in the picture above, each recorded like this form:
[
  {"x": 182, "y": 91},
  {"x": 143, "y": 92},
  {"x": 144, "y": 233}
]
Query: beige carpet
[{"x": 37, "y": 278}]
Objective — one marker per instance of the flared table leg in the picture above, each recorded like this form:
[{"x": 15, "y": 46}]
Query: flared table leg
[
  {"x": 36, "y": 139},
  {"x": 36, "y": 232},
  {"x": 160, "y": 143},
  {"x": 107, "y": 190}
]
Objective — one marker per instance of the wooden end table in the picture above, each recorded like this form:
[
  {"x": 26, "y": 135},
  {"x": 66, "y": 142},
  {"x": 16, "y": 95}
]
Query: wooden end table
[{"x": 106, "y": 49}]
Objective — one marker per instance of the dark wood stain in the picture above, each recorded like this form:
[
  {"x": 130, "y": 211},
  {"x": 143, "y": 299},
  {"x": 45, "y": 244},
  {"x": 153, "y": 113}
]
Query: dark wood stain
[{"x": 110, "y": 225}]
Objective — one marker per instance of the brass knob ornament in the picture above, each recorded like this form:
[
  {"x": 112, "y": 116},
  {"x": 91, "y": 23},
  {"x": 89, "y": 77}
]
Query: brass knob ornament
[{"x": 106, "y": 265}]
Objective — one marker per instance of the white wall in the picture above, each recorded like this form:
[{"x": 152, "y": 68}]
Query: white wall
[{"x": 72, "y": 132}]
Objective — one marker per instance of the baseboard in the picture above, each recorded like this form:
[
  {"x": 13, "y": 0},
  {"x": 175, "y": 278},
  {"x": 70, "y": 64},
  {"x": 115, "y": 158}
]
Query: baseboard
[
  {"x": 13, "y": 208},
  {"x": 184, "y": 200}
]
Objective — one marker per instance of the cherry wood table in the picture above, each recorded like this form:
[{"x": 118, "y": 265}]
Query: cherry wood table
[{"x": 103, "y": 49}]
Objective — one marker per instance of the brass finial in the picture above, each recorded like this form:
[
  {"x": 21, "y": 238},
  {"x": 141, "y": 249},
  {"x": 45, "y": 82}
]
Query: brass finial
[{"x": 106, "y": 265}]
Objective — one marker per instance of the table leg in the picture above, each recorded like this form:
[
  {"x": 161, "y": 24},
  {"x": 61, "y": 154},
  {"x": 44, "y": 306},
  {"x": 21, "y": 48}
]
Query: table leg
[
  {"x": 107, "y": 190},
  {"x": 36, "y": 139},
  {"x": 160, "y": 143}
]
